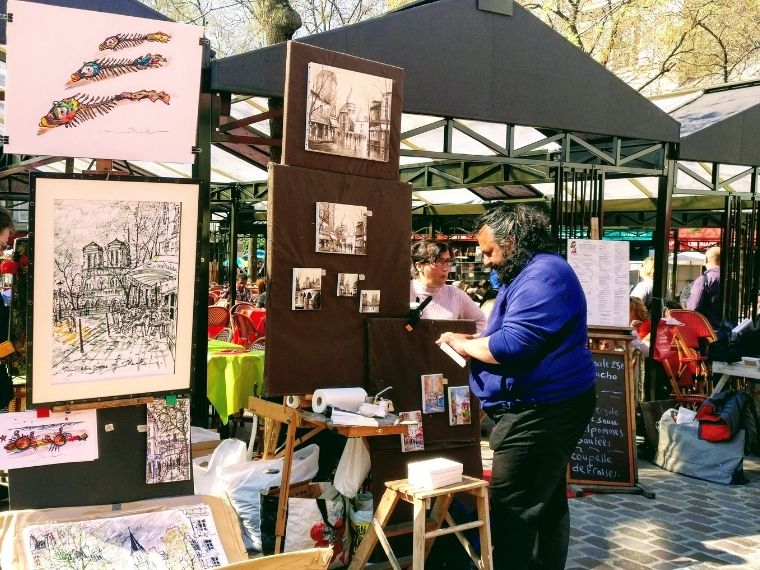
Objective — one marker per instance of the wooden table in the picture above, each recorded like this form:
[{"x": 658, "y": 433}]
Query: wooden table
[
  {"x": 296, "y": 418},
  {"x": 737, "y": 370}
]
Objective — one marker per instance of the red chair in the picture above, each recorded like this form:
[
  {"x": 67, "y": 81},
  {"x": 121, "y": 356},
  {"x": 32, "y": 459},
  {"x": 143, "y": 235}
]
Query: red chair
[
  {"x": 259, "y": 318},
  {"x": 697, "y": 330},
  {"x": 244, "y": 331},
  {"x": 684, "y": 366},
  {"x": 218, "y": 319},
  {"x": 244, "y": 308}
]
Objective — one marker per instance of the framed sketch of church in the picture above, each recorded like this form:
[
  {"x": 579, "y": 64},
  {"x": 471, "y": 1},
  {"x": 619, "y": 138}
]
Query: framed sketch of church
[
  {"x": 113, "y": 303},
  {"x": 341, "y": 228},
  {"x": 348, "y": 113}
]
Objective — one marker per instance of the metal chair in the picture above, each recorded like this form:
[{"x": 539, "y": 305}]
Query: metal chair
[
  {"x": 218, "y": 319},
  {"x": 244, "y": 331}
]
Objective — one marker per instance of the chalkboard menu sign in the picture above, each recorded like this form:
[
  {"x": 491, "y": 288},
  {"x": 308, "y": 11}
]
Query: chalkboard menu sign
[{"x": 605, "y": 453}]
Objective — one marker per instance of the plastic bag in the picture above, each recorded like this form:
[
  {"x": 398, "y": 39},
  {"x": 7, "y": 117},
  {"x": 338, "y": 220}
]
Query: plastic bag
[
  {"x": 315, "y": 523},
  {"x": 353, "y": 467},
  {"x": 360, "y": 513},
  {"x": 230, "y": 452},
  {"x": 245, "y": 483}
]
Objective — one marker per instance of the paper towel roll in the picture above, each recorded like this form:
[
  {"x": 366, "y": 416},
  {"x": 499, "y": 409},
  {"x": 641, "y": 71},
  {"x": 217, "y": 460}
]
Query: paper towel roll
[
  {"x": 346, "y": 398},
  {"x": 293, "y": 401}
]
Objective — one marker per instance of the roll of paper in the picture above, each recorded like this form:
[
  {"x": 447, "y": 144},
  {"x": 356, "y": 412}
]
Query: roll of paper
[
  {"x": 293, "y": 401},
  {"x": 345, "y": 398}
]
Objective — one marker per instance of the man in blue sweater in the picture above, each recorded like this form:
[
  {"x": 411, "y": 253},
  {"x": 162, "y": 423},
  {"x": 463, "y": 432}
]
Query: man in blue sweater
[{"x": 534, "y": 375}]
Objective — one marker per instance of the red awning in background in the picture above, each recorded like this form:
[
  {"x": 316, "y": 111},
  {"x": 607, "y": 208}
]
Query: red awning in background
[{"x": 690, "y": 239}]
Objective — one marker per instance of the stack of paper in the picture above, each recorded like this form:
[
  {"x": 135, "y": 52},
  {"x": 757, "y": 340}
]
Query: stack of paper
[{"x": 434, "y": 473}]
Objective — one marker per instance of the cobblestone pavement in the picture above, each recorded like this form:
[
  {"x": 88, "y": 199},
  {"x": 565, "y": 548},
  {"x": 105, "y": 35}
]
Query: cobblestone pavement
[{"x": 690, "y": 524}]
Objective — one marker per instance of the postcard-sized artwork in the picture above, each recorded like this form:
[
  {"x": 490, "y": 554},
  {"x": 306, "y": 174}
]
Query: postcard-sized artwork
[
  {"x": 413, "y": 439},
  {"x": 180, "y": 537},
  {"x": 168, "y": 457},
  {"x": 341, "y": 228},
  {"x": 29, "y": 441},
  {"x": 369, "y": 301},
  {"x": 307, "y": 288},
  {"x": 348, "y": 284},
  {"x": 432, "y": 393},
  {"x": 459, "y": 405},
  {"x": 348, "y": 113}
]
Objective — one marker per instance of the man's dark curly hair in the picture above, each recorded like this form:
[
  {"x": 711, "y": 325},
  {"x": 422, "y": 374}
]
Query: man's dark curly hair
[
  {"x": 530, "y": 228},
  {"x": 6, "y": 219}
]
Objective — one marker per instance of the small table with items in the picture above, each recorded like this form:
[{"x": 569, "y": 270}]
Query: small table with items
[
  {"x": 737, "y": 370},
  {"x": 234, "y": 374}
]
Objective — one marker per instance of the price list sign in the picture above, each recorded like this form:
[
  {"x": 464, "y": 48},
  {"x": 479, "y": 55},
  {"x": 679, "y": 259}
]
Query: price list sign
[
  {"x": 602, "y": 269},
  {"x": 605, "y": 453}
]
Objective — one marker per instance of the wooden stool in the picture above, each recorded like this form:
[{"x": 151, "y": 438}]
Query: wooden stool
[{"x": 426, "y": 531}]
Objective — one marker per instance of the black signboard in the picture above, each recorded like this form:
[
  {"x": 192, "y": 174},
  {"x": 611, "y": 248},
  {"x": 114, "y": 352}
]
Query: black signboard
[{"x": 605, "y": 453}]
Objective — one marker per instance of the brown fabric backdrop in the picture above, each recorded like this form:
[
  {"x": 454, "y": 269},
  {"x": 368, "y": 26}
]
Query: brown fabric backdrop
[
  {"x": 294, "y": 151},
  {"x": 397, "y": 358},
  {"x": 307, "y": 350}
]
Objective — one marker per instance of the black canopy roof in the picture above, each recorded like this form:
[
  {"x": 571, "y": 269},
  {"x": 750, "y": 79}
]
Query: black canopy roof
[
  {"x": 468, "y": 63},
  {"x": 722, "y": 124}
]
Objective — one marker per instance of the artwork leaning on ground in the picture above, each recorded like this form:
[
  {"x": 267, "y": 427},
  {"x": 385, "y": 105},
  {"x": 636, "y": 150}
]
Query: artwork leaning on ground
[
  {"x": 348, "y": 113},
  {"x": 183, "y": 537},
  {"x": 110, "y": 316}
]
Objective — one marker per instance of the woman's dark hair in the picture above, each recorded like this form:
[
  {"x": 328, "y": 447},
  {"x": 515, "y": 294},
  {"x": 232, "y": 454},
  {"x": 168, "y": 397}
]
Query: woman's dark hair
[
  {"x": 528, "y": 226},
  {"x": 427, "y": 251},
  {"x": 6, "y": 219}
]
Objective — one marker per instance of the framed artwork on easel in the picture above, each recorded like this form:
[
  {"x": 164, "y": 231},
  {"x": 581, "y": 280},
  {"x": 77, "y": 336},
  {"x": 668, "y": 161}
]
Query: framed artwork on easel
[{"x": 113, "y": 285}]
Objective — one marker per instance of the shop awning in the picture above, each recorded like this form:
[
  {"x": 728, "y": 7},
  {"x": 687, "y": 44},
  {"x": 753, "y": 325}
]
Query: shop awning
[{"x": 152, "y": 276}]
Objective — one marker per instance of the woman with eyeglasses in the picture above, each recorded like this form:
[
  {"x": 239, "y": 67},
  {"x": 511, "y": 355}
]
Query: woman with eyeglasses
[{"x": 431, "y": 264}]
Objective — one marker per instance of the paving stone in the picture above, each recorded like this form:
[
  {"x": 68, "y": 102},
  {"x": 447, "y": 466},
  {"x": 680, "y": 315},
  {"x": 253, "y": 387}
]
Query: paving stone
[
  {"x": 641, "y": 535},
  {"x": 635, "y": 555},
  {"x": 628, "y": 564}
]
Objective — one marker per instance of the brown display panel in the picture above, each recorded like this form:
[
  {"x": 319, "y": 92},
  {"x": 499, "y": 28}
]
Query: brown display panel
[
  {"x": 397, "y": 358},
  {"x": 605, "y": 455},
  {"x": 307, "y": 350},
  {"x": 294, "y": 151}
]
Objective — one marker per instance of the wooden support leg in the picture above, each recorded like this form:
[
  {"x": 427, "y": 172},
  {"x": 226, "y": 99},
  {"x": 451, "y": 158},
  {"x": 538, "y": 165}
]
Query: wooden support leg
[
  {"x": 485, "y": 530},
  {"x": 282, "y": 504},
  {"x": 368, "y": 543},
  {"x": 418, "y": 539},
  {"x": 271, "y": 433}
]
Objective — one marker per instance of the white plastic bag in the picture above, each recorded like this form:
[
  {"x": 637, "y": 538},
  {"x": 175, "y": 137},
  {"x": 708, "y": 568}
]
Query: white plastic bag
[
  {"x": 353, "y": 467},
  {"x": 360, "y": 513},
  {"x": 245, "y": 483},
  {"x": 230, "y": 452},
  {"x": 316, "y": 523}
]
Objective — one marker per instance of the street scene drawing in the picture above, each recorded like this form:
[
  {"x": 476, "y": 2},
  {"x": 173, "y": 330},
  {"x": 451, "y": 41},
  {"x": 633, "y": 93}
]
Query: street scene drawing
[
  {"x": 414, "y": 438},
  {"x": 348, "y": 284},
  {"x": 307, "y": 288},
  {"x": 115, "y": 289},
  {"x": 348, "y": 113},
  {"x": 168, "y": 441},
  {"x": 369, "y": 301},
  {"x": 459, "y": 405},
  {"x": 341, "y": 228},
  {"x": 183, "y": 538},
  {"x": 432, "y": 393}
]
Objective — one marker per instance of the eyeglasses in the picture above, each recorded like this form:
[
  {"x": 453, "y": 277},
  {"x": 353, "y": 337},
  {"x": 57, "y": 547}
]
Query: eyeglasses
[{"x": 441, "y": 262}]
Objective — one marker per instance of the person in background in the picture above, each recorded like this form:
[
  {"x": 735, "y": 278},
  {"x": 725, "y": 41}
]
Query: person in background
[
  {"x": 431, "y": 262},
  {"x": 643, "y": 289},
  {"x": 641, "y": 324},
  {"x": 6, "y": 228},
  {"x": 535, "y": 377},
  {"x": 705, "y": 292},
  {"x": 261, "y": 300}
]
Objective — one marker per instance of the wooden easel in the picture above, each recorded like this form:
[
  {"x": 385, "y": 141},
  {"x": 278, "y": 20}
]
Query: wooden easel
[{"x": 295, "y": 418}]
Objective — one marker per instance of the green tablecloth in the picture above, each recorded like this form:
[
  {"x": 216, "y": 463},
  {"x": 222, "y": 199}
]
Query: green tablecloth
[{"x": 233, "y": 376}]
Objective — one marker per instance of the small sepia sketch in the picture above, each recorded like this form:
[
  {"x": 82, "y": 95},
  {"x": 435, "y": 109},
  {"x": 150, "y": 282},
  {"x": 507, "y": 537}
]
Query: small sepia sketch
[
  {"x": 168, "y": 458},
  {"x": 413, "y": 439},
  {"x": 348, "y": 113},
  {"x": 341, "y": 228},
  {"x": 459, "y": 406},
  {"x": 348, "y": 284},
  {"x": 369, "y": 301},
  {"x": 307, "y": 288},
  {"x": 432, "y": 393},
  {"x": 180, "y": 537}
]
